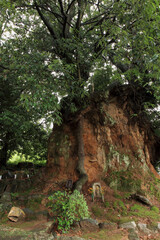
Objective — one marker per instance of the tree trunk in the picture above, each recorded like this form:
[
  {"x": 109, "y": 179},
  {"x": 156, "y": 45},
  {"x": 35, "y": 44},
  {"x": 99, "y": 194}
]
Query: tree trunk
[
  {"x": 83, "y": 177},
  {"x": 3, "y": 155}
]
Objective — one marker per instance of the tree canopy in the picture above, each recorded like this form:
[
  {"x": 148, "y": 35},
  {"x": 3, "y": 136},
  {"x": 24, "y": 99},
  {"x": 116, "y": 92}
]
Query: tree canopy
[{"x": 59, "y": 45}]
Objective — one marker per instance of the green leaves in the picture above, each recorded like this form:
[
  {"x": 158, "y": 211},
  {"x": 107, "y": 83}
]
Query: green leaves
[{"x": 67, "y": 208}]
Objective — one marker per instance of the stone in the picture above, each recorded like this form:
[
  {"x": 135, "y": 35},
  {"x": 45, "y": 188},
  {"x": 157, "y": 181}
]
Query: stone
[
  {"x": 143, "y": 227},
  {"x": 142, "y": 199},
  {"x": 128, "y": 225},
  {"x": 89, "y": 225},
  {"x": 16, "y": 214},
  {"x": 6, "y": 197},
  {"x": 69, "y": 238},
  {"x": 5, "y": 201},
  {"x": 50, "y": 228},
  {"x": 153, "y": 227},
  {"x": 107, "y": 225},
  {"x": 76, "y": 226},
  {"x": 158, "y": 226},
  {"x": 133, "y": 234}
]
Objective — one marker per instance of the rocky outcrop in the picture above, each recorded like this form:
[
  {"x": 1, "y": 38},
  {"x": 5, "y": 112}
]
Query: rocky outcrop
[{"x": 116, "y": 140}]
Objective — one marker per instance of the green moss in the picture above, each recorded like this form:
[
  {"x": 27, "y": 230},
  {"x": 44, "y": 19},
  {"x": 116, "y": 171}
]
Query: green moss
[
  {"x": 98, "y": 212},
  {"x": 14, "y": 234},
  {"x": 104, "y": 234},
  {"x": 126, "y": 219},
  {"x": 136, "y": 207},
  {"x": 115, "y": 155},
  {"x": 112, "y": 217},
  {"x": 118, "y": 218},
  {"x": 123, "y": 181},
  {"x": 155, "y": 209},
  {"x": 143, "y": 212},
  {"x": 154, "y": 189}
]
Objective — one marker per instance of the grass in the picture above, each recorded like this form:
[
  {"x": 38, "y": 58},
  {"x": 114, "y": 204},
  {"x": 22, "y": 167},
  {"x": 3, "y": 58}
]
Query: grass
[
  {"x": 14, "y": 233},
  {"x": 104, "y": 234}
]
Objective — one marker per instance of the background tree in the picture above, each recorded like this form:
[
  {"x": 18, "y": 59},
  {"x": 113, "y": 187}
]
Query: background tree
[
  {"x": 72, "y": 39},
  {"x": 19, "y": 128}
]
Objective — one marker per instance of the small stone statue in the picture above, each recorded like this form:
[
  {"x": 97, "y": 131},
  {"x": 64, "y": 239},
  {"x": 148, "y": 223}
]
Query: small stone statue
[
  {"x": 97, "y": 191},
  {"x": 69, "y": 184}
]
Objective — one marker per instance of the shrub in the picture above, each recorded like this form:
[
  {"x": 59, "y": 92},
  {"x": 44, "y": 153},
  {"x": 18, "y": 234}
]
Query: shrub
[{"x": 68, "y": 208}]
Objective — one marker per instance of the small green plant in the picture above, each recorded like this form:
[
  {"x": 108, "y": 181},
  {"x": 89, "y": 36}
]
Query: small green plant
[
  {"x": 127, "y": 195},
  {"x": 120, "y": 207},
  {"x": 136, "y": 207},
  {"x": 107, "y": 204},
  {"x": 67, "y": 208},
  {"x": 116, "y": 195},
  {"x": 110, "y": 216},
  {"x": 15, "y": 195}
]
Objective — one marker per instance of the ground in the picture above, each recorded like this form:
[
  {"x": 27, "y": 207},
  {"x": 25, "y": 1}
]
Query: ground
[{"x": 118, "y": 207}]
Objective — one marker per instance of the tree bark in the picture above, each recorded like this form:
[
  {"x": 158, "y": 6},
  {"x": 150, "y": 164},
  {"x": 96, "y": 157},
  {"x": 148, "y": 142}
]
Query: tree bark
[
  {"x": 3, "y": 155},
  {"x": 83, "y": 177}
]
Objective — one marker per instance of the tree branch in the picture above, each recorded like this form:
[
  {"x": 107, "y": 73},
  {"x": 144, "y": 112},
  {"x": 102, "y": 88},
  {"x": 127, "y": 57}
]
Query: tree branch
[
  {"x": 61, "y": 7},
  {"x": 70, "y": 6},
  {"x": 70, "y": 13},
  {"x": 46, "y": 22},
  {"x": 119, "y": 65},
  {"x": 81, "y": 9}
]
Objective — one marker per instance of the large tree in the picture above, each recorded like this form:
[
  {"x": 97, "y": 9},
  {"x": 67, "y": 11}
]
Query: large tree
[{"x": 76, "y": 39}]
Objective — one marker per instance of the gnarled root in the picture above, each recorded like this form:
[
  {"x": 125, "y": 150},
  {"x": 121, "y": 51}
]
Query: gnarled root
[{"x": 81, "y": 157}]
